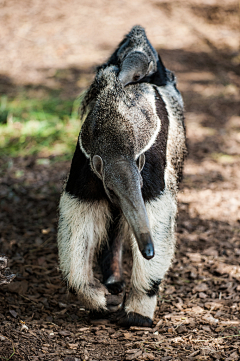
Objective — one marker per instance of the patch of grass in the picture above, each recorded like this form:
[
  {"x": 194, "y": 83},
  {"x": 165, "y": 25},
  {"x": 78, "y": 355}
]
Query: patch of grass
[
  {"x": 223, "y": 158},
  {"x": 44, "y": 127}
]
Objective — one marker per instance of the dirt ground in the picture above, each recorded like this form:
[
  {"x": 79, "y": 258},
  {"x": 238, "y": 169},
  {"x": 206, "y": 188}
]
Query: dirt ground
[{"x": 197, "y": 317}]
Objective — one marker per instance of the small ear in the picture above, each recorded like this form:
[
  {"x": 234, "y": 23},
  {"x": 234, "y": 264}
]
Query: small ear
[
  {"x": 141, "y": 161},
  {"x": 98, "y": 165},
  {"x": 170, "y": 75},
  {"x": 151, "y": 67}
]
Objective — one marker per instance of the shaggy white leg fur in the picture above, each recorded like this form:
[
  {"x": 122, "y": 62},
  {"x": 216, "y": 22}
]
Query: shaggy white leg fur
[
  {"x": 161, "y": 213},
  {"x": 82, "y": 228}
]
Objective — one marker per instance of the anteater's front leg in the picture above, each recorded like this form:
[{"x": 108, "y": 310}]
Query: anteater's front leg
[
  {"x": 82, "y": 228},
  {"x": 147, "y": 274},
  {"x": 110, "y": 261}
]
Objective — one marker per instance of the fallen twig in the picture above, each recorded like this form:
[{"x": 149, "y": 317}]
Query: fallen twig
[{"x": 215, "y": 339}]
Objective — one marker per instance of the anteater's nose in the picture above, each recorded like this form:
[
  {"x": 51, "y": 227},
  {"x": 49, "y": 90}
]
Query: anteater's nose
[{"x": 146, "y": 245}]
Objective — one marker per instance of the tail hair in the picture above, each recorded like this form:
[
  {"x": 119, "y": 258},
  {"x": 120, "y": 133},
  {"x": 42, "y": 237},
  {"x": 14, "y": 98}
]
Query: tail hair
[{"x": 104, "y": 77}]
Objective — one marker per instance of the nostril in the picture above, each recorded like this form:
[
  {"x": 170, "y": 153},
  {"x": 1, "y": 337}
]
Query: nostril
[
  {"x": 146, "y": 246},
  {"x": 148, "y": 251}
]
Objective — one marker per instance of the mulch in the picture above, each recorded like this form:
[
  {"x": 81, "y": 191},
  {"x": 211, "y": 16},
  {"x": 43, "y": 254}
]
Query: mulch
[
  {"x": 197, "y": 317},
  {"x": 198, "y": 307}
]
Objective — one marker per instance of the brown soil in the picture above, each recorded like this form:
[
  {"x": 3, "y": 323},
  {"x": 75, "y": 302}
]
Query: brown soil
[{"x": 198, "y": 310}]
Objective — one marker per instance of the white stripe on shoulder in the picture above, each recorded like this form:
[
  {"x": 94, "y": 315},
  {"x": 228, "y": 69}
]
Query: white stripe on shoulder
[
  {"x": 81, "y": 147},
  {"x": 150, "y": 97},
  {"x": 176, "y": 138}
]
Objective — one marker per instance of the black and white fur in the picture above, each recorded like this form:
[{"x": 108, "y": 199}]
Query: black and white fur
[
  {"x": 135, "y": 60},
  {"x": 135, "y": 57},
  {"x": 122, "y": 185}
]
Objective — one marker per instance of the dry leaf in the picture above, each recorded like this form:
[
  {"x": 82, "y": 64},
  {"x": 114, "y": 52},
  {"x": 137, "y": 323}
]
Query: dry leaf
[
  {"x": 210, "y": 318},
  {"x": 201, "y": 287},
  {"x": 195, "y": 257},
  {"x": 211, "y": 251},
  {"x": 232, "y": 270}
]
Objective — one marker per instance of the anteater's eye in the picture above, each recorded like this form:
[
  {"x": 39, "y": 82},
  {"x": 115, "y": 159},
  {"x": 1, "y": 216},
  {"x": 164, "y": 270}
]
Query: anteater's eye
[
  {"x": 136, "y": 77},
  {"x": 112, "y": 195}
]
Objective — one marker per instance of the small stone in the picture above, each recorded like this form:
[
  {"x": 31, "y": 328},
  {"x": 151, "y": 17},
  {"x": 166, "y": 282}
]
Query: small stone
[
  {"x": 194, "y": 353},
  {"x": 181, "y": 329},
  {"x": 133, "y": 356},
  {"x": 148, "y": 356},
  {"x": 211, "y": 251},
  {"x": 210, "y": 319},
  {"x": 73, "y": 345},
  {"x": 159, "y": 323},
  {"x": 195, "y": 257},
  {"x": 197, "y": 309},
  {"x": 234, "y": 355},
  {"x": 116, "y": 335},
  {"x": 151, "y": 356},
  {"x": 83, "y": 329},
  {"x": 24, "y": 327},
  {"x": 62, "y": 305},
  {"x": 13, "y": 313},
  {"x": 206, "y": 328},
  {"x": 201, "y": 287},
  {"x": 170, "y": 290},
  {"x": 110, "y": 330},
  {"x": 64, "y": 333},
  {"x": 213, "y": 305},
  {"x": 202, "y": 295},
  {"x": 140, "y": 328}
]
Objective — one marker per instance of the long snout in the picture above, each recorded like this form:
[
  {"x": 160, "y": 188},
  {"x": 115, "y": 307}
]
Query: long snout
[
  {"x": 134, "y": 67},
  {"x": 125, "y": 76},
  {"x": 125, "y": 180},
  {"x": 135, "y": 213}
]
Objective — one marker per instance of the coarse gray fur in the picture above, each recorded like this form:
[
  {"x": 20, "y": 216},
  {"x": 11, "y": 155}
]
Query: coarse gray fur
[
  {"x": 135, "y": 56},
  {"x": 161, "y": 212},
  {"x": 134, "y": 59},
  {"x": 120, "y": 126}
]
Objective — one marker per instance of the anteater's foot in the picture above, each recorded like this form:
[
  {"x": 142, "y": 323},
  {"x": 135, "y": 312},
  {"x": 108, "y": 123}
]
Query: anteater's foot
[
  {"x": 134, "y": 319},
  {"x": 115, "y": 302}
]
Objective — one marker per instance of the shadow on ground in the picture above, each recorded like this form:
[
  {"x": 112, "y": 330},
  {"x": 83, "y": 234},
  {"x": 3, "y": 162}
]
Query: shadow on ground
[{"x": 202, "y": 282}]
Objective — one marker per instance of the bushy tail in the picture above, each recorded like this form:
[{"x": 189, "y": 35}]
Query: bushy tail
[{"x": 104, "y": 77}]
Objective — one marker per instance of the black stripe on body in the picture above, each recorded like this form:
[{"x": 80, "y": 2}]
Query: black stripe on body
[
  {"x": 154, "y": 288},
  {"x": 153, "y": 171},
  {"x": 82, "y": 181}
]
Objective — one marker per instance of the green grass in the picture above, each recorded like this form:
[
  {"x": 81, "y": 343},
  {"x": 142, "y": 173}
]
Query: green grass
[{"x": 42, "y": 126}]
